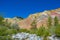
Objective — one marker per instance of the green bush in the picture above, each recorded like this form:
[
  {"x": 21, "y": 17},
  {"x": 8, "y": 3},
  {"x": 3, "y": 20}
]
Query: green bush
[
  {"x": 5, "y": 38},
  {"x": 2, "y": 30},
  {"x": 57, "y": 30},
  {"x": 40, "y": 31},
  {"x": 10, "y": 31},
  {"x": 23, "y": 30}
]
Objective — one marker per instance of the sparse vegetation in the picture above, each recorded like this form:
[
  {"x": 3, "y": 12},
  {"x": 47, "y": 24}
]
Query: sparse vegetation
[{"x": 42, "y": 31}]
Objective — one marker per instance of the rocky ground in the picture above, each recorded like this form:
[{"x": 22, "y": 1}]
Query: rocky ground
[{"x": 27, "y": 36}]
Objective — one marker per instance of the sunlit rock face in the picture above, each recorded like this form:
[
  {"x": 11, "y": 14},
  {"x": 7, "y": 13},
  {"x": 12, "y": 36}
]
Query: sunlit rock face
[
  {"x": 41, "y": 19},
  {"x": 12, "y": 21}
]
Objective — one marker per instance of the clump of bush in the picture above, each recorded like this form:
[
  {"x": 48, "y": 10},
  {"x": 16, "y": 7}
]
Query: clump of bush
[{"x": 57, "y": 30}]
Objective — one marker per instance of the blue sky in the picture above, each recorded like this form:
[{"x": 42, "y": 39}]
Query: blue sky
[{"x": 22, "y": 8}]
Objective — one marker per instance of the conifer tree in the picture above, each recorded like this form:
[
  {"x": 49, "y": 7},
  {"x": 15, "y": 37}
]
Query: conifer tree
[
  {"x": 33, "y": 24},
  {"x": 49, "y": 21},
  {"x": 56, "y": 21},
  {"x": 1, "y": 20}
]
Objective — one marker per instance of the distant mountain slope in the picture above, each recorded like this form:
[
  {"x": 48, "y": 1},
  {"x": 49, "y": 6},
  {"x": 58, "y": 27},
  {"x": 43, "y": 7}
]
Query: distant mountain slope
[{"x": 41, "y": 18}]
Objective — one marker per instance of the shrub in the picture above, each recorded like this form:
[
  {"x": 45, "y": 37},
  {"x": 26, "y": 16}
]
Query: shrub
[{"x": 57, "y": 30}]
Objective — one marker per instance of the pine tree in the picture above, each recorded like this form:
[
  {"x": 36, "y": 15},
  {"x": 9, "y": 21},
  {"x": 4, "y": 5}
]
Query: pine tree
[
  {"x": 1, "y": 20},
  {"x": 56, "y": 21},
  {"x": 57, "y": 30},
  {"x": 33, "y": 24},
  {"x": 49, "y": 21}
]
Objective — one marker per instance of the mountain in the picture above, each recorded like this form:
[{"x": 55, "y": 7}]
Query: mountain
[{"x": 40, "y": 18}]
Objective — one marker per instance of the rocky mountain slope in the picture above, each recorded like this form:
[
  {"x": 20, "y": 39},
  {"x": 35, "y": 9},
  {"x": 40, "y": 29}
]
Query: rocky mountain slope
[{"x": 40, "y": 18}]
